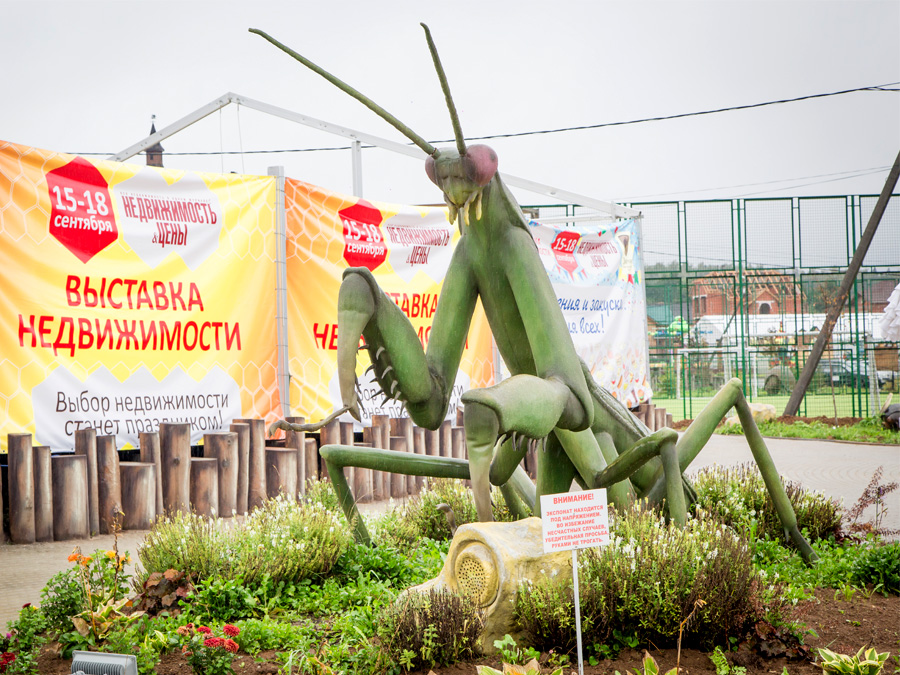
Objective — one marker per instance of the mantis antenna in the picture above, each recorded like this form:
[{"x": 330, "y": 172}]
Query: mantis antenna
[
  {"x": 427, "y": 147},
  {"x": 454, "y": 117}
]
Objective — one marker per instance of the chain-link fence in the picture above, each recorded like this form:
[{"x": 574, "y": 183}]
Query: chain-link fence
[{"x": 740, "y": 288}]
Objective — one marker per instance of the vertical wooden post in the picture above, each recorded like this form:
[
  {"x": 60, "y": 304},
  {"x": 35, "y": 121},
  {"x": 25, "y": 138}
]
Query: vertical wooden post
[
  {"x": 419, "y": 444},
  {"x": 139, "y": 487},
  {"x": 175, "y": 457},
  {"x": 2, "y": 531},
  {"x": 382, "y": 435},
  {"x": 330, "y": 434},
  {"x": 21, "y": 488},
  {"x": 223, "y": 446},
  {"x": 43, "y": 494},
  {"x": 446, "y": 444},
  {"x": 362, "y": 486},
  {"x": 86, "y": 444},
  {"x": 403, "y": 426},
  {"x": 205, "y": 486},
  {"x": 311, "y": 461},
  {"x": 281, "y": 472},
  {"x": 398, "y": 485},
  {"x": 372, "y": 436},
  {"x": 458, "y": 442},
  {"x": 243, "y": 471},
  {"x": 256, "y": 470},
  {"x": 297, "y": 440},
  {"x": 109, "y": 487},
  {"x": 149, "y": 441},
  {"x": 70, "y": 497},
  {"x": 432, "y": 442}
]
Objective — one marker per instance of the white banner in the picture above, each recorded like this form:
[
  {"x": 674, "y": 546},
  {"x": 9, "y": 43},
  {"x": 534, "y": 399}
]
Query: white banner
[{"x": 597, "y": 273}]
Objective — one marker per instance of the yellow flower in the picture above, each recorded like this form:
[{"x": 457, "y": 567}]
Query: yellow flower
[{"x": 110, "y": 554}]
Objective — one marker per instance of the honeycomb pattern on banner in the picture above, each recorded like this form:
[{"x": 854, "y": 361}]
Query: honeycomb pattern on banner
[
  {"x": 315, "y": 263},
  {"x": 248, "y": 236}
]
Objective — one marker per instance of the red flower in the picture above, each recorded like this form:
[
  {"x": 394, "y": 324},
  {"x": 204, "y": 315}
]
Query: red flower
[
  {"x": 213, "y": 642},
  {"x": 231, "y": 646},
  {"x": 231, "y": 631},
  {"x": 204, "y": 629}
]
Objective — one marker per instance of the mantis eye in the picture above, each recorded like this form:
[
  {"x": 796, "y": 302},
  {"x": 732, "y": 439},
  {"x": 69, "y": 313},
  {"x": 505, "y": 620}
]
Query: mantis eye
[
  {"x": 430, "y": 170},
  {"x": 481, "y": 164}
]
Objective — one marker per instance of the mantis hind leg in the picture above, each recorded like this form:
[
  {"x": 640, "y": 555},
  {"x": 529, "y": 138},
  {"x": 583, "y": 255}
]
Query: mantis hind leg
[{"x": 695, "y": 438}]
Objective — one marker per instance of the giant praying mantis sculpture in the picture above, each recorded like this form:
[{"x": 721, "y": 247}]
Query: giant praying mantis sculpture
[{"x": 585, "y": 433}]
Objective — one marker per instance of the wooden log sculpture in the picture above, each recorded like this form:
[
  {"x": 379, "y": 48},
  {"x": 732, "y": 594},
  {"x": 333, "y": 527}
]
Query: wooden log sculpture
[
  {"x": 348, "y": 438},
  {"x": 243, "y": 471},
  {"x": 372, "y": 438},
  {"x": 256, "y": 468},
  {"x": 139, "y": 488},
  {"x": 43, "y": 494},
  {"x": 175, "y": 457},
  {"x": 70, "y": 497},
  {"x": 403, "y": 426},
  {"x": 398, "y": 482},
  {"x": 21, "y": 488},
  {"x": 281, "y": 472},
  {"x": 86, "y": 444},
  {"x": 109, "y": 486},
  {"x": 223, "y": 446},
  {"x": 205, "y": 486},
  {"x": 150, "y": 454},
  {"x": 297, "y": 441}
]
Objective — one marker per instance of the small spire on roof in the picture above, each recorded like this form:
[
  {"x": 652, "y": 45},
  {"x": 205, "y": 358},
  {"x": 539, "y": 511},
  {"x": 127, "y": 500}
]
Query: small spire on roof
[{"x": 155, "y": 152}]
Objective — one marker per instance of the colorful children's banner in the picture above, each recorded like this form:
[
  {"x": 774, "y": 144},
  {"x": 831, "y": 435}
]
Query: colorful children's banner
[
  {"x": 132, "y": 295},
  {"x": 408, "y": 249},
  {"x": 597, "y": 275}
]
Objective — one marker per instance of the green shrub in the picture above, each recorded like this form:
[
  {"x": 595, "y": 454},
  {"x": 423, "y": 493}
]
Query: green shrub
[
  {"x": 545, "y": 610},
  {"x": 282, "y": 540},
  {"x": 192, "y": 544},
  {"x": 427, "y": 630},
  {"x": 651, "y": 577},
  {"x": 61, "y": 599},
  {"x": 419, "y": 517},
  {"x": 738, "y": 497},
  {"x": 878, "y": 565}
]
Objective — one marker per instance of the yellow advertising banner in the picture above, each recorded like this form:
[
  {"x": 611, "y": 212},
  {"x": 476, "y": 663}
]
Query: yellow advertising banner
[
  {"x": 132, "y": 295},
  {"x": 407, "y": 248}
]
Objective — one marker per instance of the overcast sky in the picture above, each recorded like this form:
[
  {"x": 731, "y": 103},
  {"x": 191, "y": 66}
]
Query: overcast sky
[{"x": 85, "y": 77}]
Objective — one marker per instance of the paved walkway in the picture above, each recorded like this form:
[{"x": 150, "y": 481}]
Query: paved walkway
[{"x": 840, "y": 470}]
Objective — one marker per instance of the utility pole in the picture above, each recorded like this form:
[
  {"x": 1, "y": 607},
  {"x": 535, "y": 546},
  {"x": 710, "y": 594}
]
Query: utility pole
[{"x": 799, "y": 391}]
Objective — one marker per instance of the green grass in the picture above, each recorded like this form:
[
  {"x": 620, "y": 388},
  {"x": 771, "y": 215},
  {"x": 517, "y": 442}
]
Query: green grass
[
  {"x": 868, "y": 430},
  {"x": 813, "y": 405}
]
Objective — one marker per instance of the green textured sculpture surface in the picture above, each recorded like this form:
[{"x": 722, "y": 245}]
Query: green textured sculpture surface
[{"x": 585, "y": 434}]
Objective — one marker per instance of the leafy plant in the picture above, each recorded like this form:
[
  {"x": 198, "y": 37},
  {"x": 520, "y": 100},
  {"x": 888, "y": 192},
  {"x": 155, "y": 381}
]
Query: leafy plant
[
  {"x": 206, "y": 653},
  {"x": 873, "y": 495},
  {"x": 437, "y": 627},
  {"x": 878, "y": 565},
  {"x": 61, "y": 599},
  {"x": 284, "y": 539},
  {"x": 720, "y": 661},
  {"x": 865, "y": 662},
  {"x": 220, "y": 599},
  {"x": 161, "y": 592},
  {"x": 512, "y": 654},
  {"x": 651, "y": 667},
  {"x": 530, "y": 668},
  {"x": 738, "y": 497}
]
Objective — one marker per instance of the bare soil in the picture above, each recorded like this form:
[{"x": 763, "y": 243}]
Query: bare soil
[{"x": 840, "y": 625}]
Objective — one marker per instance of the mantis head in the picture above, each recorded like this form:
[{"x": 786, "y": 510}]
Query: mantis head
[{"x": 461, "y": 173}]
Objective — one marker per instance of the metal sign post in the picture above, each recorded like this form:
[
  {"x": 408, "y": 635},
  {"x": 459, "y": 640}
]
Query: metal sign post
[{"x": 574, "y": 520}]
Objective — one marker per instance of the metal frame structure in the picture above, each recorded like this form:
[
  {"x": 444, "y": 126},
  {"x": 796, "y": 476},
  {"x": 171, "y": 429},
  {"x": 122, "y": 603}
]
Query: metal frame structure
[{"x": 357, "y": 138}]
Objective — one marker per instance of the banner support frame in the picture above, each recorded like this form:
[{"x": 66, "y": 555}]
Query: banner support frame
[{"x": 281, "y": 321}]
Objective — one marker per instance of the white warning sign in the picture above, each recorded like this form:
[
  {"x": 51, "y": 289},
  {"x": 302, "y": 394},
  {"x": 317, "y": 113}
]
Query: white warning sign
[{"x": 573, "y": 520}]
